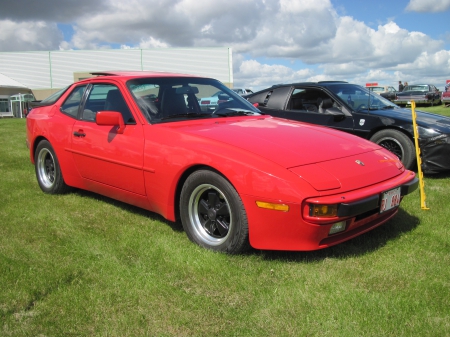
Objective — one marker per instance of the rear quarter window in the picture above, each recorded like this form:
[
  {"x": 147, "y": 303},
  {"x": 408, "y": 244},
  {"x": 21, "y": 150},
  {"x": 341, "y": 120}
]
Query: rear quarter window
[{"x": 72, "y": 102}]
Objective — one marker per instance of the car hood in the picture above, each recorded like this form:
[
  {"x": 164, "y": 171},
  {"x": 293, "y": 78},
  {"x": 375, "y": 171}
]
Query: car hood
[
  {"x": 424, "y": 119},
  {"x": 287, "y": 143},
  {"x": 326, "y": 158}
]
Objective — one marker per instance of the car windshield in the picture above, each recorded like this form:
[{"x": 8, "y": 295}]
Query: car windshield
[
  {"x": 416, "y": 88},
  {"x": 179, "y": 98},
  {"x": 359, "y": 98}
]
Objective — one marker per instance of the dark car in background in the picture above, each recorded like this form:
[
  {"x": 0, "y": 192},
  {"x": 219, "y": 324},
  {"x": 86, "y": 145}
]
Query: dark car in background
[
  {"x": 420, "y": 94},
  {"x": 354, "y": 109}
]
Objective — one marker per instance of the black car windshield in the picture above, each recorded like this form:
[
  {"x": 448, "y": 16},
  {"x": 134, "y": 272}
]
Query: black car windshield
[
  {"x": 172, "y": 99},
  {"x": 416, "y": 88},
  {"x": 359, "y": 98}
]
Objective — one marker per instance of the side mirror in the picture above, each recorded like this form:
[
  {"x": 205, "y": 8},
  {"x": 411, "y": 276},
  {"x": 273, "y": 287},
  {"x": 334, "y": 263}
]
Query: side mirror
[
  {"x": 338, "y": 118},
  {"x": 337, "y": 114},
  {"x": 110, "y": 118},
  {"x": 223, "y": 97}
]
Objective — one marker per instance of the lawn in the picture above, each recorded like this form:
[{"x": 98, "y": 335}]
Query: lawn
[
  {"x": 84, "y": 265},
  {"x": 438, "y": 109}
]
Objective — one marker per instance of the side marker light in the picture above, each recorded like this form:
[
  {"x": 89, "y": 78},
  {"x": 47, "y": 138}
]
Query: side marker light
[{"x": 272, "y": 206}]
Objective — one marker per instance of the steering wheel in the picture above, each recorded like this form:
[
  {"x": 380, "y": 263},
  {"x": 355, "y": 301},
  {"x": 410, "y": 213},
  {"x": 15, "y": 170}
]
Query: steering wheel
[
  {"x": 223, "y": 106},
  {"x": 217, "y": 110},
  {"x": 361, "y": 106}
]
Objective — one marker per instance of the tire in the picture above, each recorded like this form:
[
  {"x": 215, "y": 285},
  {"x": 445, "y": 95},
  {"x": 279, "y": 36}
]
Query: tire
[
  {"x": 212, "y": 213},
  {"x": 48, "y": 171},
  {"x": 398, "y": 143}
]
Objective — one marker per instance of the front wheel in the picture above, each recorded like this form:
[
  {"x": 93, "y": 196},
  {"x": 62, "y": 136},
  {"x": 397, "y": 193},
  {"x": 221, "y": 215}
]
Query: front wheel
[
  {"x": 212, "y": 213},
  {"x": 398, "y": 143},
  {"x": 48, "y": 171}
]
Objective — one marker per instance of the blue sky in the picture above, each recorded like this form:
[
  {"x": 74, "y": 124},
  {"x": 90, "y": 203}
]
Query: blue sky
[
  {"x": 378, "y": 12},
  {"x": 273, "y": 41}
]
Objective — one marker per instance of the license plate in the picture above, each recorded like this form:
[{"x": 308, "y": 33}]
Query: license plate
[{"x": 390, "y": 199}]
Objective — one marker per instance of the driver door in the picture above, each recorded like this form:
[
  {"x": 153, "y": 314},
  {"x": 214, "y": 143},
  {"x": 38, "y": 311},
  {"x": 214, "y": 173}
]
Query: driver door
[
  {"x": 101, "y": 154},
  {"x": 306, "y": 105}
]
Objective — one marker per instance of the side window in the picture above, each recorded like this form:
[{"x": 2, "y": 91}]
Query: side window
[
  {"x": 71, "y": 104},
  {"x": 106, "y": 97},
  {"x": 306, "y": 100},
  {"x": 314, "y": 101}
]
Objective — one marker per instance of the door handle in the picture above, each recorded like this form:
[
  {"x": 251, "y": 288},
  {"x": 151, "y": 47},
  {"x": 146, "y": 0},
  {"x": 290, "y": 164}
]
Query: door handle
[{"x": 79, "y": 134}]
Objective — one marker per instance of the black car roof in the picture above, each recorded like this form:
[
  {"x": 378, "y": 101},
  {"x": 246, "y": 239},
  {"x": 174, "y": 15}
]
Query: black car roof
[{"x": 306, "y": 83}]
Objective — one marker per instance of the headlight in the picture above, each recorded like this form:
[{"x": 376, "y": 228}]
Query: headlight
[
  {"x": 323, "y": 211},
  {"x": 426, "y": 132}
]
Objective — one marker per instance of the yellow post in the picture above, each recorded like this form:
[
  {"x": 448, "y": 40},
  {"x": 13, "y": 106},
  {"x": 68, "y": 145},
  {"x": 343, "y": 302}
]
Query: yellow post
[{"x": 423, "y": 205}]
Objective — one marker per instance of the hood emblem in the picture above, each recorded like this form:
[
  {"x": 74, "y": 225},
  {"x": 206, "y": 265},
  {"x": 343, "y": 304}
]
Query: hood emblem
[
  {"x": 361, "y": 122},
  {"x": 359, "y": 162}
]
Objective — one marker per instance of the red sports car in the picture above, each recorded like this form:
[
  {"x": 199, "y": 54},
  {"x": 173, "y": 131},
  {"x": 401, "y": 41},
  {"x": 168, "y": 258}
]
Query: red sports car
[{"x": 234, "y": 177}]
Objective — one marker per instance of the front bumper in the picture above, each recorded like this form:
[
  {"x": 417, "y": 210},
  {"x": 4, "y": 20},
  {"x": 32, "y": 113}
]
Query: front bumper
[
  {"x": 416, "y": 100},
  {"x": 435, "y": 154},
  {"x": 275, "y": 230}
]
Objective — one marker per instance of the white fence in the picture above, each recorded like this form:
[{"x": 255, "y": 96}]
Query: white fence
[{"x": 55, "y": 69}]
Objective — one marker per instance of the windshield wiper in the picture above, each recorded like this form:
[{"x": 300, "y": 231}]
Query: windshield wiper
[
  {"x": 232, "y": 112},
  {"x": 187, "y": 115}
]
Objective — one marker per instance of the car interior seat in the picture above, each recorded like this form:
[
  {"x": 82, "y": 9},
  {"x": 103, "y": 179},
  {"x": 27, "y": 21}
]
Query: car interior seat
[
  {"x": 296, "y": 104},
  {"x": 324, "y": 104},
  {"x": 115, "y": 102},
  {"x": 172, "y": 103}
]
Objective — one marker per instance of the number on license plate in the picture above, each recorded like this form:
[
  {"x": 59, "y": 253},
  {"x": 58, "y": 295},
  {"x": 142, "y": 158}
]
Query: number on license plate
[{"x": 390, "y": 199}]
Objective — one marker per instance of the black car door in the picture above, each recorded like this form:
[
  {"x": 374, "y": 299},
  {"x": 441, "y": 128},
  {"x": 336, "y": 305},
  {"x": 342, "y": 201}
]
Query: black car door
[{"x": 305, "y": 104}]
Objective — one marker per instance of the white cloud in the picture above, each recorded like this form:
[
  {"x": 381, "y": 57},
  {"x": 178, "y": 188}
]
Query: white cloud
[
  {"x": 428, "y": 6},
  {"x": 309, "y": 31},
  {"x": 254, "y": 75},
  {"x": 28, "y": 35},
  {"x": 151, "y": 42}
]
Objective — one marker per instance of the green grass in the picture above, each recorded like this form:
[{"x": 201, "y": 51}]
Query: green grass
[
  {"x": 438, "y": 109},
  {"x": 84, "y": 265}
]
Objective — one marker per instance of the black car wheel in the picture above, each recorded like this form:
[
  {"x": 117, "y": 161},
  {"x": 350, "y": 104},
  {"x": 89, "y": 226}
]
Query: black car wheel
[
  {"x": 212, "y": 213},
  {"x": 398, "y": 143},
  {"x": 48, "y": 171}
]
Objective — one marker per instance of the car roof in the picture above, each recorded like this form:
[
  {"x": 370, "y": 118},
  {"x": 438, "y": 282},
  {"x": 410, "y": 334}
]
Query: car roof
[{"x": 309, "y": 83}]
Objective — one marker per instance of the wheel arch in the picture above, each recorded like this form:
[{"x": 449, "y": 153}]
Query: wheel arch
[
  {"x": 34, "y": 146},
  {"x": 392, "y": 127},
  {"x": 182, "y": 180}
]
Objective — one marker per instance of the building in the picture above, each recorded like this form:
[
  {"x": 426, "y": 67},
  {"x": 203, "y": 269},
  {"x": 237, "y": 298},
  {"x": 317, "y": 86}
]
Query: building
[{"x": 45, "y": 72}]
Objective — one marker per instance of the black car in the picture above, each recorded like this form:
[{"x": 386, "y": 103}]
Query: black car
[
  {"x": 420, "y": 94},
  {"x": 354, "y": 109}
]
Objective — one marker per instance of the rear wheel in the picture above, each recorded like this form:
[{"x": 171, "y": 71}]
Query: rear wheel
[
  {"x": 48, "y": 171},
  {"x": 212, "y": 213},
  {"x": 398, "y": 143}
]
